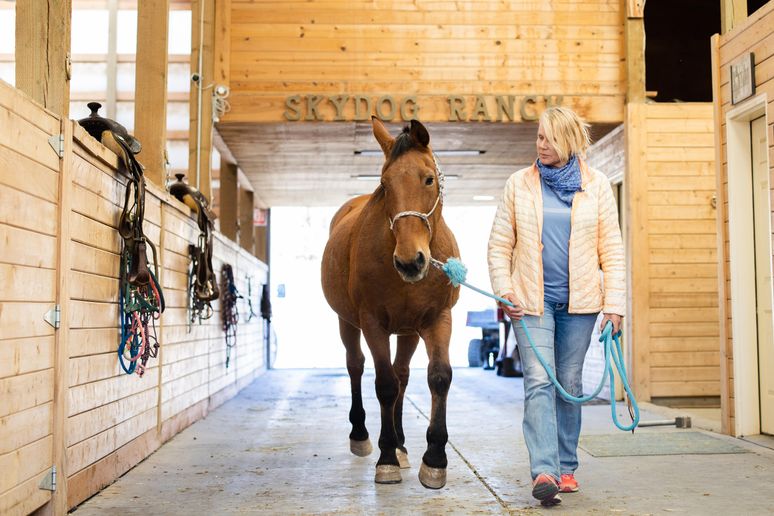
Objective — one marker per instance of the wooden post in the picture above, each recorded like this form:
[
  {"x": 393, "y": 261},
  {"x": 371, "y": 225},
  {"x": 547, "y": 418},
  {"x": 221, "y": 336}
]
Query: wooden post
[
  {"x": 111, "y": 93},
  {"x": 732, "y": 13},
  {"x": 246, "y": 203},
  {"x": 43, "y": 53},
  {"x": 720, "y": 212},
  {"x": 200, "y": 132},
  {"x": 261, "y": 243},
  {"x": 222, "y": 41},
  {"x": 229, "y": 202},
  {"x": 635, "y": 51},
  {"x": 150, "y": 100},
  {"x": 62, "y": 353},
  {"x": 638, "y": 267}
]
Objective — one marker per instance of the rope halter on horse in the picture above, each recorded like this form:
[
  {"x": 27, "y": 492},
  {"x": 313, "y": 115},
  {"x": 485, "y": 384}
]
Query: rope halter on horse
[{"x": 425, "y": 216}]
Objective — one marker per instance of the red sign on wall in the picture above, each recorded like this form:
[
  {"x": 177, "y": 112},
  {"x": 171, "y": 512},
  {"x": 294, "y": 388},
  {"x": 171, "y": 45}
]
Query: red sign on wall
[{"x": 260, "y": 217}]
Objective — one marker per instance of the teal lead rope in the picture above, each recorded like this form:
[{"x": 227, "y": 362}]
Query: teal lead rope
[{"x": 456, "y": 271}]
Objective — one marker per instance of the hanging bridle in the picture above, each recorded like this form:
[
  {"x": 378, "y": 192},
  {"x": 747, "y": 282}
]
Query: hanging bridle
[{"x": 438, "y": 200}]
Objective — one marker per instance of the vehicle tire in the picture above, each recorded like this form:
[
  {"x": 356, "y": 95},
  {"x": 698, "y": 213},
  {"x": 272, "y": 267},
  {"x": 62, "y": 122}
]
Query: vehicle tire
[{"x": 474, "y": 353}]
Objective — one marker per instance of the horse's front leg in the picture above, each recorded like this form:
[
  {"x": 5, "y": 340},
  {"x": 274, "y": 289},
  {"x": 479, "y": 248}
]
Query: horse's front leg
[
  {"x": 407, "y": 344},
  {"x": 432, "y": 473},
  {"x": 358, "y": 438},
  {"x": 387, "y": 386}
]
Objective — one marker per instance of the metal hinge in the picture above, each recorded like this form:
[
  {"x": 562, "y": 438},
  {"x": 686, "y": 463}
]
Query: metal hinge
[
  {"x": 49, "y": 480},
  {"x": 57, "y": 143},
  {"x": 53, "y": 316}
]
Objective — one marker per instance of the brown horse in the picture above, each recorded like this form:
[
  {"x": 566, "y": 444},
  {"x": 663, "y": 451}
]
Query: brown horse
[{"x": 376, "y": 276}]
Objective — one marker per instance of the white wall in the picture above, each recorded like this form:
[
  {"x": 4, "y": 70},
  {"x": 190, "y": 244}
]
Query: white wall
[{"x": 307, "y": 328}]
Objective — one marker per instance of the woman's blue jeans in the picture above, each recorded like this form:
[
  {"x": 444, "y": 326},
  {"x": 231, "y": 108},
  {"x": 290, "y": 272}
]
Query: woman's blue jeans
[{"x": 552, "y": 424}]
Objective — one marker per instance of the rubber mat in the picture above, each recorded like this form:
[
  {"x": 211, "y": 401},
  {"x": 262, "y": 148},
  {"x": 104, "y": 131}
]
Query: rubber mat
[{"x": 657, "y": 443}]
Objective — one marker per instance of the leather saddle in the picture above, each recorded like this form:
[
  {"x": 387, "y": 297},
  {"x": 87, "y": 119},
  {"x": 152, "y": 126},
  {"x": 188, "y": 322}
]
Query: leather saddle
[
  {"x": 205, "y": 286},
  {"x": 115, "y": 137}
]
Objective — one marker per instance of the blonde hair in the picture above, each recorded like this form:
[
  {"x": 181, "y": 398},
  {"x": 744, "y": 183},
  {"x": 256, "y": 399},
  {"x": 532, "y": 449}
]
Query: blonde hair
[{"x": 567, "y": 132}]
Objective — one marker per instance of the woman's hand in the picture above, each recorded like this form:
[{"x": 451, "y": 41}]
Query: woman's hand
[
  {"x": 515, "y": 312},
  {"x": 613, "y": 318}
]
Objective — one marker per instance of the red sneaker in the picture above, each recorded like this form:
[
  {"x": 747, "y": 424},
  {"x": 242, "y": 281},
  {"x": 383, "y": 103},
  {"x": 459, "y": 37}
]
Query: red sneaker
[
  {"x": 568, "y": 484},
  {"x": 544, "y": 487}
]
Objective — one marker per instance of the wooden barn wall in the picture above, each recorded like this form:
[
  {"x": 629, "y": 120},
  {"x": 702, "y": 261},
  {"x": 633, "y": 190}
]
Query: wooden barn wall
[
  {"x": 29, "y": 252},
  {"x": 58, "y": 243},
  {"x": 754, "y": 35},
  {"x": 673, "y": 262},
  {"x": 568, "y": 48}
]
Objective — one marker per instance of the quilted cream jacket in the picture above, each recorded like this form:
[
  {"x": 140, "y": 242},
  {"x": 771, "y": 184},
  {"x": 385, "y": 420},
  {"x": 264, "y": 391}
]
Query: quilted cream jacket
[{"x": 515, "y": 248}]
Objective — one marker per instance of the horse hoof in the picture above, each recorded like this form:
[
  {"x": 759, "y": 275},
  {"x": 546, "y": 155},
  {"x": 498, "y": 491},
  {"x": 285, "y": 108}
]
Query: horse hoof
[
  {"x": 402, "y": 459},
  {"x": 361, "y": 448},
  {"x": 387, "y": 474},
  {"x": 432, "y": 478}
]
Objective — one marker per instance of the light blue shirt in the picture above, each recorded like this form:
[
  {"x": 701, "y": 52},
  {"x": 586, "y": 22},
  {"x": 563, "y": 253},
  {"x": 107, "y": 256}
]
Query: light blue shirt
[{"x": 556, "y": 246}]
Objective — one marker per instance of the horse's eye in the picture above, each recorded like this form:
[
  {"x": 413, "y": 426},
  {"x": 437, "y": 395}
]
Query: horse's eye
[{"x": 429, "y": 181}]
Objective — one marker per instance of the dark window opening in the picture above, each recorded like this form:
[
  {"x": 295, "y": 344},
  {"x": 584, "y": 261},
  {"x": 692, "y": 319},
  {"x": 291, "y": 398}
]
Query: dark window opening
[
  {"x": 754, "y": 5},
  {"x": 677, "y": 49}
]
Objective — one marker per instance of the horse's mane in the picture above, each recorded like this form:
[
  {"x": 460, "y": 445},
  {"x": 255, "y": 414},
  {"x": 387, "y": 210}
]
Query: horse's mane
[{"x": 403, "y": 143}]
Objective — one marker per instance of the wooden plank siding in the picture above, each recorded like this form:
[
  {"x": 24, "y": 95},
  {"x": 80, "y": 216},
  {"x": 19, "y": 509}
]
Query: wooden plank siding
[
  {"x": 674, "y": 305},
  {"x": 682, "y": 264},
  {"x": 751, "y": 35},
  {"x": 28, "y": 288},
  {"x": 524, "y": 47},
  {"x": 108, "y": 420}
]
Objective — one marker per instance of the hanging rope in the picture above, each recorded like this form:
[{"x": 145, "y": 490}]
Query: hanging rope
[
  {"x": 202, "y": 281},
  {"x": 456, "y": 272},
  {"x": 229, "y": 311},
  {"x": 141, "y": 300},
  {"x": 250, "y": 298}
]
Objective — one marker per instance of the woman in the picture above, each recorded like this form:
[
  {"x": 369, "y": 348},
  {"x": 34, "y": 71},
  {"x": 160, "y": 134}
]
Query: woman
[{"x": 555, "y": 228}]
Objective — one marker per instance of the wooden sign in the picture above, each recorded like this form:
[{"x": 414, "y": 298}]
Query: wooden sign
[
  {"x": 460, "y": 108},
  {"x": 743, "y": 78}
]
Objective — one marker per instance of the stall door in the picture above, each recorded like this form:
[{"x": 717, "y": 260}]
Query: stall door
[{"x": 762, "y": 214}]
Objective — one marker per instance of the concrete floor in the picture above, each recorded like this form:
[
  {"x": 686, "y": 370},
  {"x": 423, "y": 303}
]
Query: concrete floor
[{"x": 281, "y": 447}]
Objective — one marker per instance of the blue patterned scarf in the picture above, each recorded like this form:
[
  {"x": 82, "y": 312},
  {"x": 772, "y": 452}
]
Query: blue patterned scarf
[{"x": 564, "y": 181}]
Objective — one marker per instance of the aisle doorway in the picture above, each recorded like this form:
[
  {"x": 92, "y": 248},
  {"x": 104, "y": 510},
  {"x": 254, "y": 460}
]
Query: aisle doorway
[{"x": 750, "y": 253}]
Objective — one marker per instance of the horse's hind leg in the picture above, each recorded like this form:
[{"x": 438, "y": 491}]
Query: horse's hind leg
[
  {"x": 407, "y": 344},
  {"x": 432, "y": 473},
  {"x": 358, "y": 438}
]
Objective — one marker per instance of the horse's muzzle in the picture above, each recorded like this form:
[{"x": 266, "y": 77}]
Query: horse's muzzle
[{"x": 412, "y": 271}]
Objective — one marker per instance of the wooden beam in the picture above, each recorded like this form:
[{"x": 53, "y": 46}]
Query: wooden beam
[
  {"x": 222, "y": 41},
  {"x": 62, "y": 353},
  {"x": 202, "y": 64},
  {"x": 228, "y": 200},
  {"x": 246, "y": 234},
  {"x": 635, "y": 60},
  {"x": 43, "y": 53},
  {"x": 111, "y": 92},
  {"x": 720, "y": 201},
  {"x": 150, "y": 104},
  {"x": 732, "y": 13},
  {"x": 261, "y": 243},
  {"x": 638, "y": 267},
  {"x": 635, "y": 8}
]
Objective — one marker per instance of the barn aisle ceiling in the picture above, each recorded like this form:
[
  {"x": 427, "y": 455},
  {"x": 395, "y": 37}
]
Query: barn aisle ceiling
[{"x": 316, "y": 164}]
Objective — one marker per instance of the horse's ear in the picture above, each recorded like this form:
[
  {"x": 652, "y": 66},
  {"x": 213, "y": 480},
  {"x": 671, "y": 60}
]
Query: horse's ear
[
  {"x": 419, "y": 133},
  {"x": 382, "y": 135}
]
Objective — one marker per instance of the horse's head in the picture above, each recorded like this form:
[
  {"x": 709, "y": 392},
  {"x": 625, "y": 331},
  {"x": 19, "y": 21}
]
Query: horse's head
[{"x": 412, "y": 196}]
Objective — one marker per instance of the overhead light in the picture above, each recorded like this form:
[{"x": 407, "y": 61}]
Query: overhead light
[
  {"x": 372, "y": 177},
  {"x": 450, "y": 152},
  {"x": 460, "y": 152},
  {"x": 483, "y": 197}
]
